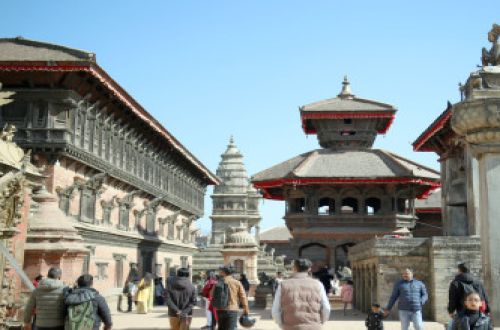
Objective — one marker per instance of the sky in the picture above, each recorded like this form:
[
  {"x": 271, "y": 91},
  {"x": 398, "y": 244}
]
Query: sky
[{"x": 210, "y": 69}]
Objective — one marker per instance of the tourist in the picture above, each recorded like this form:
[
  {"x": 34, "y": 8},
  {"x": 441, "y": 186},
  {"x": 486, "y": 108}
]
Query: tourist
[
  {"x": 471, "y": 317},
  {"x": 325, "y": 278},
  {"x": 245, "y": 283},
  {"x": 130, "y": 290},
  {"x": 300, "y": 302},
  {"x": 37, "y": 280},
  {"x": 145, "y": 294},
  {"x": 209, "y": 308},
  {"x": 374, "y": 321},
  {"x": 48, "y": 302},
  {"x": 335, "y": 286},
  {"x": 347, "y": 294},
  {"x": 227, "y": 308},
  {"x": 181, "y": 298},
  {"x": 465, "y": 283},
  {"x": 277, "y": 281},
  {"x": 159, "y": 291},
  {"x": 83, "y": 293},
  {"x": 412, "y": 296}
]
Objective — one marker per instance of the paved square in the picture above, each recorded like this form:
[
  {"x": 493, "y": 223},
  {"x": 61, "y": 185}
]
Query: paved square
[{"x": 158, "y": 319}]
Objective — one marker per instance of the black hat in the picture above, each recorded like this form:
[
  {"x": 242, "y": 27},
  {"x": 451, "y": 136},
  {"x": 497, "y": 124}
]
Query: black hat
[
  {"x": 226, "y": 269},
  {"x": 463, "y": 267}
]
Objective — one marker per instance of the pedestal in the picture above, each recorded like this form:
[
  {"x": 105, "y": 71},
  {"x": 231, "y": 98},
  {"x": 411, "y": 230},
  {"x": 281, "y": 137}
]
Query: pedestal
[{"x": 478, "y": 120}]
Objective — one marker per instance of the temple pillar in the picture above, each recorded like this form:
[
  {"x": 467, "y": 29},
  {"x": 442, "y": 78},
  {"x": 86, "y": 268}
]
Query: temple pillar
[{"x": 477, "y": 119}]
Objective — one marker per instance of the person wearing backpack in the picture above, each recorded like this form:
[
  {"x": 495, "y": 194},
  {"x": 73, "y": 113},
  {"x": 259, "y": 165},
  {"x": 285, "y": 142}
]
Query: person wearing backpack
[
  {"x": 48, "y": 301},
  {"x": 181, "y": 299},
  {"x": 86, "y": 309},
  {"x": 227, "y": 294},
  {"x": 464, "y": 284}
]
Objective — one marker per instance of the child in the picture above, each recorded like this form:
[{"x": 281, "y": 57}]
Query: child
[
  {"x": 346, "y": 294},
  {"x": 472, "y": 318},
  {"x": 374, "y": 319}
]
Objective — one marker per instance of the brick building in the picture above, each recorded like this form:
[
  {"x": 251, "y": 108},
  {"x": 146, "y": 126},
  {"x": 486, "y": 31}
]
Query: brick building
[{"x": 128, "y": 188}]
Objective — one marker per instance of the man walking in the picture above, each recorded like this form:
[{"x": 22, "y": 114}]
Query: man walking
[
  {"x": 412, "y": 295},
  {"x": 463, "y": 284},
  {"x": 231, "y": 293},
  {"x": 48, "y": 301},
  {"x": 83, "y": 294},
  {"x": 181, "y": 298},
  {"x": 300, "y": 302}
]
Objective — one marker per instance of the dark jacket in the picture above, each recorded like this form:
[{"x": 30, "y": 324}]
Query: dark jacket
[
  {"x": 412, "y": 295},
  {"x": 245, "y": 283},
  {"x": 101, "y": 310},
  {"x": 456, "y": 295},
  {"x": 48, "y": 301},
  {"x": 469, "y": 320},
  {"x": 374, "y": 321},
  {"x": 181, "y": 297}
]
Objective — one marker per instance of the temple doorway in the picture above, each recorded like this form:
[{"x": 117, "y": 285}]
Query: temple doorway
[
  {"x": 319, "y": 255},
  {"x": 341, "y": 255}
]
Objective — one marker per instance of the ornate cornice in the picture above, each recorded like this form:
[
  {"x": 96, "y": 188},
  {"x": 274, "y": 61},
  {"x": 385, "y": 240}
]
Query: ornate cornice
[{"x": 478, "y": 120}]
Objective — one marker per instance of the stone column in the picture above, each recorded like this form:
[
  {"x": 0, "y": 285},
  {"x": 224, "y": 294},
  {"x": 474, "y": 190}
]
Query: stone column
[{"x": 478, "y": 120}]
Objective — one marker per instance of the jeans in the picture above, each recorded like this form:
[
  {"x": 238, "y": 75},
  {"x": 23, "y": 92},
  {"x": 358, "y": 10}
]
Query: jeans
[
  {"x": 228, "y": 320},
  {"x": 409, "y": 316}
]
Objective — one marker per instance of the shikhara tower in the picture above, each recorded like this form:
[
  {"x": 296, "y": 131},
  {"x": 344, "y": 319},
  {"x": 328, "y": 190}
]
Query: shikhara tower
[
  {"x": 235, "y": 201},
  {"x": 347, "y": 191}
]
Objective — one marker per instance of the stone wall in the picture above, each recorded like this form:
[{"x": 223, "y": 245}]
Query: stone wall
[
  {"x": 445, "y": 253},
  {"x": 378, "y": 263}
]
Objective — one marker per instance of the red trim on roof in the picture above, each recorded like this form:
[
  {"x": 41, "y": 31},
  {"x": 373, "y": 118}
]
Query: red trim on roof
[
  {"x": 119, "y": 92},
  {"x": 344, "y": 115},
  {"x": 265, "y": 185},
  {"x": 428, "y": 210},
  {"x": 431, "y": 131}
]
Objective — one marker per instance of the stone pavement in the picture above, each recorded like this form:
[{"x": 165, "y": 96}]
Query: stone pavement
[{"x": 158, "y": 319}]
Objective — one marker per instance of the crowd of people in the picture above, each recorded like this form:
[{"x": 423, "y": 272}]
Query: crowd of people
[{"x": 300, "y": 302}]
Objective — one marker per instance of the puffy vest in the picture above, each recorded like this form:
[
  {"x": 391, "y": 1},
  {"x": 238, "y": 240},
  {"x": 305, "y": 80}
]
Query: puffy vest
[{"x": 301, "y": 303}]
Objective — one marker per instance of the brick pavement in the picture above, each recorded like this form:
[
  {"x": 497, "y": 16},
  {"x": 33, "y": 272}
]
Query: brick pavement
[{"x": 158, "y": 319}]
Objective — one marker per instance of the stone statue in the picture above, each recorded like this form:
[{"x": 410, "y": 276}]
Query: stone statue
[
  {"x": 8, "y": 132},
  {"x": 493, "y": 55}
]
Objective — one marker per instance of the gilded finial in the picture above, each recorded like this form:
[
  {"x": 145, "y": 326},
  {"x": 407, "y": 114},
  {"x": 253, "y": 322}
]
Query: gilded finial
[{"x": 346, "y": 89}]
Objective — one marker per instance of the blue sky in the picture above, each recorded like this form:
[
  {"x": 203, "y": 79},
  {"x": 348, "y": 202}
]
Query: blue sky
[{"x": 209, "y": 69}]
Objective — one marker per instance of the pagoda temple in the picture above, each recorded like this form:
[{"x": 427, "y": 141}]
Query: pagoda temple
[{"x": 346, "y": 192}]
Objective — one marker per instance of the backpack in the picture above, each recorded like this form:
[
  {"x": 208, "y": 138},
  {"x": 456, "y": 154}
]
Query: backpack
[
  {"x": 80, "y": 311},
  {"x": 220, "y": 299}
]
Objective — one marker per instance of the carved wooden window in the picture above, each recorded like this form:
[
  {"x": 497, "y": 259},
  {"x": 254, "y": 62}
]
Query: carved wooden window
[
  {"x": 40, "y": 114},
  {"x": 119, "y": 259},
  {"x": 184, "y": 262},
  {"x": 86, "y": 264},
  {"x": 239, "y": 266},
  {"x": 102, "y": 270},
  {"x": 14, "y": 112},
  {"x": 150, "y": 221},
  {"x": 123, "y": 217},
  {"x": 372, "y": 205},
  {"x": 326, "y": 206},
  {"x": 349, "y": 205},
  {"x": 87, "y": 205}
]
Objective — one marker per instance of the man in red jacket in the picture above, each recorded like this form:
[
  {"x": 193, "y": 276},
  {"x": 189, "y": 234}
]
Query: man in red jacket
[{"x": 210, "y": 310}]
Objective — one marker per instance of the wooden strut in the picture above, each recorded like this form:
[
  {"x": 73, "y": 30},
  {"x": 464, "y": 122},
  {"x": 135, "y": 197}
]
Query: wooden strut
[{"x": 17, "y": 268}]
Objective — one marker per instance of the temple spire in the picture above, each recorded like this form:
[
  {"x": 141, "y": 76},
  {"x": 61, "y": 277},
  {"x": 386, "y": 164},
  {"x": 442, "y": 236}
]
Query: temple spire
[{"x": 346, "y": 89}]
